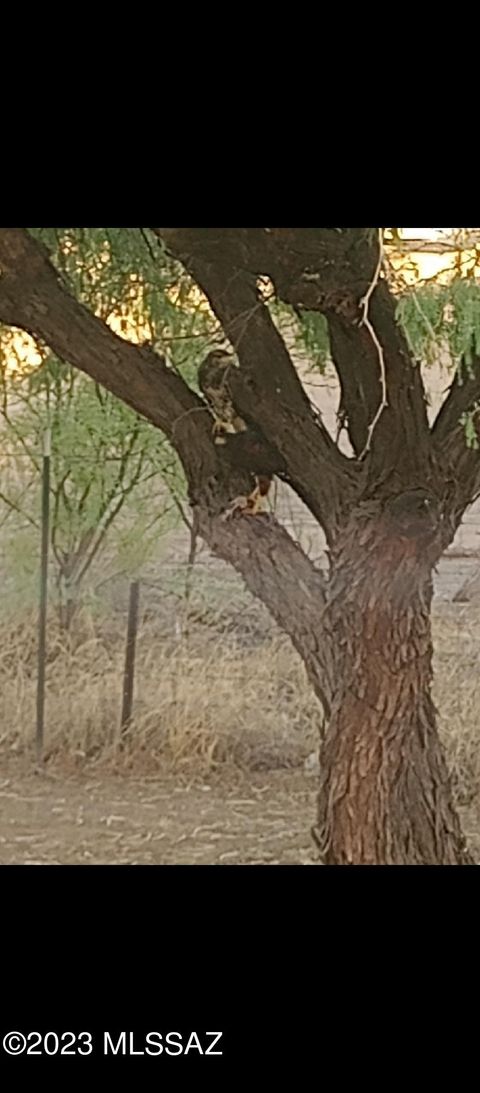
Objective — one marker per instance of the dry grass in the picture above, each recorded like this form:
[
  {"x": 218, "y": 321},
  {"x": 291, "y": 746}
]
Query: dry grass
[
  {"x": 206, "y": 702},
  {"x": 199, "y": 702},
  {"x": 457, "y": 694}
]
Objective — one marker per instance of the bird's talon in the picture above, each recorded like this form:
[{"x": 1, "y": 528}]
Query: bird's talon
[
  {"x": 238, "y": 506},
  {"x": 245, "y": 506}
]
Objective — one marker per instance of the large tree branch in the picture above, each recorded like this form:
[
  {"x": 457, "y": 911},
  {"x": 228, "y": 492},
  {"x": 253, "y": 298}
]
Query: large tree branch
[
  {"x": 276, "y": 570},
  {"x": 33, "y": 297},
  {"x": 273, "y": 567}
]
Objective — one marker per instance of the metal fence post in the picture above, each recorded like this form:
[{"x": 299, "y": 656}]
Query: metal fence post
[
  {"x": 42, "y": 618},
  {"x": 129, "y": 671}
]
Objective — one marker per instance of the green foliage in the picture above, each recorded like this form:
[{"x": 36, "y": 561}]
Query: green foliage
[
  {"x": 468, "y": 422},
  {"x": 109, "y": 473},
  {"x": 465, "y": 329},
  {"x": 126, "y": 273},
  {"x": 312, "y": 337},
  {"x": 421, "y": 314},
  {"x": 442, "y": 317},
  {"x": 304, "y": 331},
  {"x": 445, "y": 318}
]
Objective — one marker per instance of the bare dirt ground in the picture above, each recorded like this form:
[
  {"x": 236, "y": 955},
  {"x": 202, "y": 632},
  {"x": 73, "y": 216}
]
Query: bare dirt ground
[
  {"x": 112, "y": 820},
  {"x": 262, "y": 819}
]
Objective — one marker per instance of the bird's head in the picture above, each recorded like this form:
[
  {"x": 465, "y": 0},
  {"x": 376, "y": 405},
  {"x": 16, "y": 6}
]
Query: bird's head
[
  {"x": 214, "y": 368},
  {"x": 220, "y": 356}
]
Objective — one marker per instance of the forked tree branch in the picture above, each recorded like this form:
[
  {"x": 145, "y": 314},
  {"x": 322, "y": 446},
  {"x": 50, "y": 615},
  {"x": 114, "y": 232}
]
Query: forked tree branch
[
  {"x": 330, "y": 271},
  {"x": 341, "y": 271}
]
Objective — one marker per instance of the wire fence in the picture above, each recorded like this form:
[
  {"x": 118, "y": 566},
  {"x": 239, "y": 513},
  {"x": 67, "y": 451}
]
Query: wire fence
[{"x": 197, "y": 600}]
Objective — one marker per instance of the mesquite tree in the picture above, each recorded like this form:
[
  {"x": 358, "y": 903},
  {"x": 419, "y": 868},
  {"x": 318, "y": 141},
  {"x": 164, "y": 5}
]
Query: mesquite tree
[{"x": 388, "y": 510}]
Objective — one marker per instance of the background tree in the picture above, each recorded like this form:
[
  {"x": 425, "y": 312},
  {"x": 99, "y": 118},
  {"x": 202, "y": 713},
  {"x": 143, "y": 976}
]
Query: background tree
[
  {"x": 388, "y": 509},
  {"x": 107, "y": 462}
]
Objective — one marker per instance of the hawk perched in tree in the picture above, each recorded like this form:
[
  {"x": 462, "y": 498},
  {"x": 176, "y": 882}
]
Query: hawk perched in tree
[{"x": 243, "y": 443}]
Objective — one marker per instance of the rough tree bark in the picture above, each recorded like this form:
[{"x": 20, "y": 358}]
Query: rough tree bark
[
  {"x": 388, "y": 512},
  {"x": 384, "y": 794}
]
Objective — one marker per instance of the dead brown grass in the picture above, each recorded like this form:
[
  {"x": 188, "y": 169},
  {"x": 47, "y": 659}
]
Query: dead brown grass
[
  {"x": 206, "y": 702},
  {"x": 199, "y": 702}
]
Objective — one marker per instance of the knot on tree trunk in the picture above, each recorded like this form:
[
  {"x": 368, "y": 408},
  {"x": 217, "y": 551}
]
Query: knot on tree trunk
[{"x": 414, "y": 514}]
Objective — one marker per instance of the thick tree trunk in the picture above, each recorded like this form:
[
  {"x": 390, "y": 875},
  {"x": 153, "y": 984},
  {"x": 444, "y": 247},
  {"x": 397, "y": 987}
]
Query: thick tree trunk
[{"x": 385, "y": 796}]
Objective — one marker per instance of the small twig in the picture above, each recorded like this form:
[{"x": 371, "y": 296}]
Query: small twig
[
  {"x": 371, "y": 288},
  {"x": 365, "y": 321}
]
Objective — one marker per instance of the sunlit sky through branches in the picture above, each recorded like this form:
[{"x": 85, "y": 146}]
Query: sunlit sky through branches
[{"x": 411, "y": 267}]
